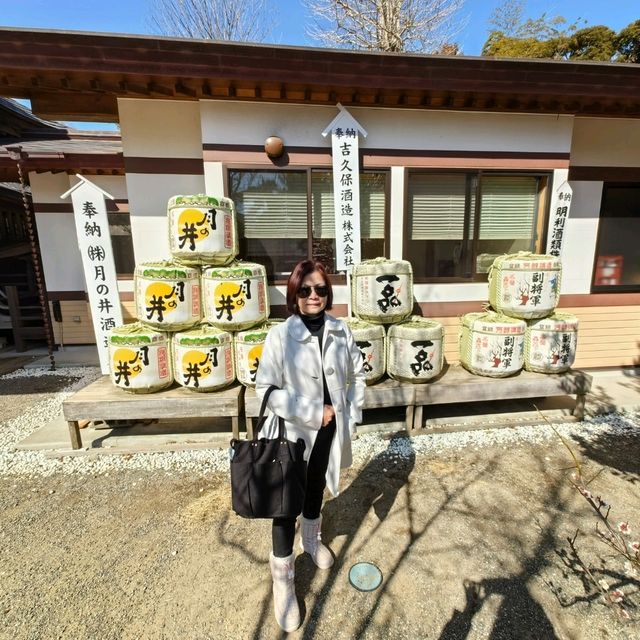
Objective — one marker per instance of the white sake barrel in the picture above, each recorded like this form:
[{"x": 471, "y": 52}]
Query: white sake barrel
[
  {"x": 492, "y": 344},
  {"x": 202, "y": 229},
  {"x": 140, "y": 358},
  {"x": 203, "y": 358},
  {"x": 167, "y": 295},
  {"x": 415, "y": 350},
  {"x": 370, "y": 339},
  {"x": 247, "y": 347},
  {"x": 235, "y": 297},
  {"x": 525, "y": 285},
  {"x": 550, "y": 343},
  {"x": 382, "y": 290}
]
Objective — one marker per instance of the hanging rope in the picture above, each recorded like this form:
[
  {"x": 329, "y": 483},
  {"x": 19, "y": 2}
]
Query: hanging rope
[{"x": 16, "y": 154}]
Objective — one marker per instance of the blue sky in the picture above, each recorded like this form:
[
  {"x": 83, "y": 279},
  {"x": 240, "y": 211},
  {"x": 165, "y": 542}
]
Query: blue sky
[{"x": 130, "y": 16}]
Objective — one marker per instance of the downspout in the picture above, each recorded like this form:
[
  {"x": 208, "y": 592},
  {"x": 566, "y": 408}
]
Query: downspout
[{"x": 16, "y": 153}]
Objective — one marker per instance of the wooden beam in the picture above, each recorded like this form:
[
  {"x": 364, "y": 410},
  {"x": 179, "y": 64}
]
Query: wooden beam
[{"x": 96, "y": 107}]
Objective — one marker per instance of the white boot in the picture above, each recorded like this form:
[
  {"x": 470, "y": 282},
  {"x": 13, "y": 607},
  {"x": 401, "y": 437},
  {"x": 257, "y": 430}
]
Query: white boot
[
  {"x": 285, "y": 603},
  {"x": 311, "y": 542}
]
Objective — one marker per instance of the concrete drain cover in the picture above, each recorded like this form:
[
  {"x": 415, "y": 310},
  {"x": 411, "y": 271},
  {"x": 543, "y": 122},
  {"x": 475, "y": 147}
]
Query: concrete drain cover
[{"x": 365, "y": 576}]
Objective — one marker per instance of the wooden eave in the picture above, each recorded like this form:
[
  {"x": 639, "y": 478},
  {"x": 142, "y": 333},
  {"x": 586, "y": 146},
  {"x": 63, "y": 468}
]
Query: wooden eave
[{"x": 77, "y": 75}]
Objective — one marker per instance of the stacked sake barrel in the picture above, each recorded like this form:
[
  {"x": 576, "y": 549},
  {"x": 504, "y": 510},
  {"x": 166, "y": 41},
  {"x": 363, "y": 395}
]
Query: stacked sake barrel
[
  {"x": 522, "y": 328},
  {"x": 196, "y": 308},
  {"x": 411, "y": 348}
]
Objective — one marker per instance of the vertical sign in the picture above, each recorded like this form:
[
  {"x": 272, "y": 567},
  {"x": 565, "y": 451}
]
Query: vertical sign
[
  {"x": 344, "y": 131},
  {"x": 94, "y": 240},
  {"x": 559, "y": 213}
]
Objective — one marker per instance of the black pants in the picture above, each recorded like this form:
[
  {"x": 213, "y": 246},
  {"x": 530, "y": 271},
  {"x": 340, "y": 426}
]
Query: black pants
[{"x": 284, "y": 529}]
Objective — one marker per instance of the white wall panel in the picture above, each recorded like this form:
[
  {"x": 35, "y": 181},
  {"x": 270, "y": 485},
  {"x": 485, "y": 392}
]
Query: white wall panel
[
  {"x": 300, "y": 125},
  {"x": 148, "y": 196},
  {"x": 604, "y": 142},
  {"x": 61, "y": 260},
  {"x": 214, "y": 178},
  {"x": 160, "y": 128}
]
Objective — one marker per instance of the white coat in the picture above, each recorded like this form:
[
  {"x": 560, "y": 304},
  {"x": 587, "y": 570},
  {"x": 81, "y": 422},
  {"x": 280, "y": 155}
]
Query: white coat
[{"x": 292, "y": 362}]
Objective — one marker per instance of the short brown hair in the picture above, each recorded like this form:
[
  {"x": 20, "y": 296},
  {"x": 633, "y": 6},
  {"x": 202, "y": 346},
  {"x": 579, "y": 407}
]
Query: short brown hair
[{"x": 299, "y": 273}]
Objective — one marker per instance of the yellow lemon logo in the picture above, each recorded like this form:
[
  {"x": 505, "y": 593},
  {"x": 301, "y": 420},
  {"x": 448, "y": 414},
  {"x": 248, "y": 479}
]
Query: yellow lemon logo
[
  {"x": 255, "y": 354},
  {"x": 161, "y": 298},
  {"x": 194, "y": 225},
  {"x": 127, "y": 364},
  {"x": 197, "y": 365},
  {"x": 229, "y": 297}
]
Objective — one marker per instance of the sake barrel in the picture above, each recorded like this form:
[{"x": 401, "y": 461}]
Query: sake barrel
[
  {"x": 550, "y": 343},
  {"x": 235, "y": 297},
  {"x": 203, "y": 358},
  {"x": 370, "y": 339},
  {"x": 202, "y": 229},
  {"x": 415, "y": 350},
  {"x": 525, "y": 285},
  {"x": 140, "y": 358},
  {"x": 167, "y": 295},
  {"x": 492, "y": 344},
  {"x": 382, "y": 290},
  {"x": 248, "y": 351}
]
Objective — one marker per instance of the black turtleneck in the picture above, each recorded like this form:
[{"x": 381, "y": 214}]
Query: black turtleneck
[{"x": 315, "y": 325}]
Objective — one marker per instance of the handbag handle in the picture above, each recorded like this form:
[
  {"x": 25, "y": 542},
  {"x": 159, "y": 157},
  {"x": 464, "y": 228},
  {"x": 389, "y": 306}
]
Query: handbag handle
[{"x": 262, "y": 417}]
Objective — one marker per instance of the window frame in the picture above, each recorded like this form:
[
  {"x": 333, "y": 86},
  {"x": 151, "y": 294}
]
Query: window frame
[
  {"x": 609, "y": 288},
  {"x": 543, "y": 204},
  {"x": 336, "y": 278}
]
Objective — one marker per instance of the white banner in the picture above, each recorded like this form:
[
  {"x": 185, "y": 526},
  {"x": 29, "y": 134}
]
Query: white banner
[
  {"x": 94, "y": 240},
  {"x": 560, "y": 206},
  {"x": 346, "y": 187}
]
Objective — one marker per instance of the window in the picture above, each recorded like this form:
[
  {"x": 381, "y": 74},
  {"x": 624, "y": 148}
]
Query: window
[
  {"x": 459, "y": 222},
  {"x": 122, "y": 244},
  {"x": 287, "y": 216},
  {"x": 617, "y": 266}
]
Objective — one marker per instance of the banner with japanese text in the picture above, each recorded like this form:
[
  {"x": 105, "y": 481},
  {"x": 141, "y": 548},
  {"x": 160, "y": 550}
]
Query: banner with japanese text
[
  {"x": 345, "y": 150},
  {"x": 560, "y": 205},
  {"x": 94, "y": 241}
]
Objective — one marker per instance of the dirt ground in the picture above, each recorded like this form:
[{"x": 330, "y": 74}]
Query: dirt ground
[{"x": 470, "y": 545}]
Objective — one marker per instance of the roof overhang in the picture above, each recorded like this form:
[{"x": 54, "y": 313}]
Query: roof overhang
[{"x": 77, "y": 75}]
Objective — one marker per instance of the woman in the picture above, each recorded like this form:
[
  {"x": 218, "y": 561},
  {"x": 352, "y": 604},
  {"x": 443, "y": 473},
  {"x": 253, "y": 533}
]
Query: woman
[{"x": 316, "y": 366}]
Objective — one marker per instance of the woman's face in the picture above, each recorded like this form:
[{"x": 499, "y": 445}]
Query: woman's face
[{"x": 314, "y": 303}]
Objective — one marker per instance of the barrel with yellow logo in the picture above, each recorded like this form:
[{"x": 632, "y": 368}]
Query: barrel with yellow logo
[
  {"x": 202, "y": 229},
  {"x": 167, "y": 295},
  {"x": 140, "y": 358},
  {"x": 203, "y": 358},
  {"x": 248, "y": 351},
  {"x": 235, "y": 297}
]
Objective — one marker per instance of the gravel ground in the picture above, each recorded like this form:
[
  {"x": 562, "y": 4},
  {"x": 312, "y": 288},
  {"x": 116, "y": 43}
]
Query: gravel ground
[{"x": 468, "y": 528}]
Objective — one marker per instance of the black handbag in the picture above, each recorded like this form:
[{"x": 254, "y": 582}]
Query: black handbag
[{"x": 268, "y": 477}]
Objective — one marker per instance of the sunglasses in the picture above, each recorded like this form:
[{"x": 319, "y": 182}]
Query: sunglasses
[{"x": 305, "y": 290}]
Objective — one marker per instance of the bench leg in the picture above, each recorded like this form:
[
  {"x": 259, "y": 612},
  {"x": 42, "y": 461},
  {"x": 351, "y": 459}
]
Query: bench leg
[
  {"x": 417, "y": 418},
  {"x": 409, "y": 417},
  {"x": 578, "y": 411},
  {"x": 235, "y": 427},
  {"x": 74, "y": 434},
  {"x": 249, "y": 426}
]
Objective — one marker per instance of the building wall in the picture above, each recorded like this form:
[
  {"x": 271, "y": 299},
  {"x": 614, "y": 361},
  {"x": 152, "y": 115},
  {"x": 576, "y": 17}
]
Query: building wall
[
  {"x": 162, "y": 149},
  {"x": 185, "y": 147}
]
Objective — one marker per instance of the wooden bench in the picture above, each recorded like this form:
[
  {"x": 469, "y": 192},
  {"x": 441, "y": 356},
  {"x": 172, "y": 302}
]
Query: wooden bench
[
  {"x": 387, "y": 393},
  {"x": 102, "y": 400},
  {"x": 457, "y": 385}
]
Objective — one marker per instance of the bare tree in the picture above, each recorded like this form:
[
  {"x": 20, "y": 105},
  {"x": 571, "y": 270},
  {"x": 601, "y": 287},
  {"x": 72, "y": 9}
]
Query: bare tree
[
  {"x": 385, "y": 25},
  {"x": 237, "y": 20}
]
